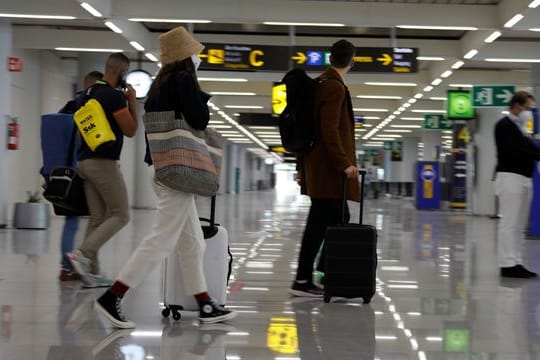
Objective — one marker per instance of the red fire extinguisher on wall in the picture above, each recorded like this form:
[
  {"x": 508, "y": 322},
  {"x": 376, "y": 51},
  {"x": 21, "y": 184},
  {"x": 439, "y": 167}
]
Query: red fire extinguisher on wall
[{"x": 13, "y": 134}]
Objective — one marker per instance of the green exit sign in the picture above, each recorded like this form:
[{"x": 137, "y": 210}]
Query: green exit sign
[
  {"x": 437, "y": 122},
  {"x": 493, "y": 96}
]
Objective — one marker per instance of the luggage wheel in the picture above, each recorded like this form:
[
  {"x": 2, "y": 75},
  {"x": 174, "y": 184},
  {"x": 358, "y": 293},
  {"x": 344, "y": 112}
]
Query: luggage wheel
[
  {"x": 174, "y": 309},
  {"x": 327, "y": 298},
  {"x": 366, "y": 299}
]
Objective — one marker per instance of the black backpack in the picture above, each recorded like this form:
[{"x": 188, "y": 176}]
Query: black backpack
[{"x": 298, "y": 124}]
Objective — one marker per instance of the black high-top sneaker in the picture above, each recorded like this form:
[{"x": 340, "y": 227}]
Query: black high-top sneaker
[
  {"x": 210, "y": 312},
  {"x": 110, "y": 306}
]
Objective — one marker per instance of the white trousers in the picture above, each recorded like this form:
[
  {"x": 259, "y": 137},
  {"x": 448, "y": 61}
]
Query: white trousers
[
  {"x": 514, "y": 192},
  {"x": 177, "y": 228}
]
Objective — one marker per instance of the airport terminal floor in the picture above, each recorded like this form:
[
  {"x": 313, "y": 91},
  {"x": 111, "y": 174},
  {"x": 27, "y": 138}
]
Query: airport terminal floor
[{"x": 439, "y": 294}]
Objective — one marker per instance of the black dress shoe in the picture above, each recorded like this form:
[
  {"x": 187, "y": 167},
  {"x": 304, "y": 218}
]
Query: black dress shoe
[{"x": 517, "y": 271}]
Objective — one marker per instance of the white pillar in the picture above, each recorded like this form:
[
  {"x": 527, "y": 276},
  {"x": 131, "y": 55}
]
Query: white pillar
[
  {"x": 431, "y": 139},
  {"x": 410, "y": 156},
  {"x": 5, "y": 109},
  {"x": 483, "y": 162}
]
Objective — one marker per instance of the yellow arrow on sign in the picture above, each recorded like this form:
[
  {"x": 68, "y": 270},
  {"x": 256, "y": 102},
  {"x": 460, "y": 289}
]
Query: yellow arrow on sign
[
  {"x": 300, "y": 57},
  {"x": 203, "y": 56},
  {"x": 385, "y": 59}
]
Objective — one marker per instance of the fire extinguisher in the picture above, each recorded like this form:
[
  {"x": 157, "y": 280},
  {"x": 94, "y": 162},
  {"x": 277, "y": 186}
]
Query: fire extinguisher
[{"x": 13, "y": 134}]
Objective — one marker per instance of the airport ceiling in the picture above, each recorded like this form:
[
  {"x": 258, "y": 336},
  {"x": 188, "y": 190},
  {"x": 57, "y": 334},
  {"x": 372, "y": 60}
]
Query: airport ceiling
[{"x": 460, "y": 42}]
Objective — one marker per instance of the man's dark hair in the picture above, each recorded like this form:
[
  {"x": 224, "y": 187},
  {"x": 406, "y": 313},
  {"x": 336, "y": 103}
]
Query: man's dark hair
[
  {"x": 342, "y": 53},
  {"x": 113, "y": 62},
  {"x": 520, "y": 98}
]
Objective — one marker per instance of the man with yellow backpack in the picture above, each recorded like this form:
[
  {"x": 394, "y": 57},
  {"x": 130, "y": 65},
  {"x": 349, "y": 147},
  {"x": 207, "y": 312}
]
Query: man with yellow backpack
[{"x": 107, "y": 113}]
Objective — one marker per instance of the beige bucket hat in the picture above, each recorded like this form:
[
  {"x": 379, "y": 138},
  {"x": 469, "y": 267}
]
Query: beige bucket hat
[{"x": 178, "y": 44}]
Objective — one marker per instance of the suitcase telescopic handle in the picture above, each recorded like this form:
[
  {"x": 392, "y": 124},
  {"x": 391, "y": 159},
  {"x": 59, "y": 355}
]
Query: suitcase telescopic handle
[{"x": 344, "y": 198}]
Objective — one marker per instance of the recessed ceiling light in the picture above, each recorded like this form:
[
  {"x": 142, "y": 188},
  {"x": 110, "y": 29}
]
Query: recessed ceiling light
[
  {"x": 380, "y": 97},
  {"x": 419, "y": 96},
  {"x": 91, "y": 9},
  {"x": 375, "y": 83},
  {"x": 428, "y": 88},
  {"x": 428, "y": 111},
  {"x": 370, "y": 109},
  {"x": 151, "y": 57},
  {"x": 427, "y": 27},
  {"x": 534, "y": 4},
  {"x": 281, "y": 23},
  {"x": 412, "y": 118},
  {"x": 397, "y": 131},
  {"x": 436, "y": 82},
  {"x": 406, "y": 126},
  {"x": 461, "y": 85},
  {"x": 534, "y": 29},
  {"x": 437, "y": 98},
  {"x": 136, "y": 45},
  {"x": 430, "y": 58},
  {"x": 470, "y": 54},
  {"x": 458, "y": 64},
  {"x": 232, "y": 93},
  {"x": 513, "y": 21},
  {"x": 222, "y": 79},
  {"x": 494, "y": 36},
  {"x": 244, "y": 107},
  {"x": 32, "y": 16},
  {"x": 184, "y": 21},
  {"x": 446, "y": 74},
  {"x": 113, "y": 27},
  {"x": 87, "y": 49},
  {"x": 514, "y": 60}
]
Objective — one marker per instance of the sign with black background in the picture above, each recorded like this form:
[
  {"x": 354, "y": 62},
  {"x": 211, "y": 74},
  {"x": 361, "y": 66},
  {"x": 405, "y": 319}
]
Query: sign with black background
[{"x": 282, "y": 58}]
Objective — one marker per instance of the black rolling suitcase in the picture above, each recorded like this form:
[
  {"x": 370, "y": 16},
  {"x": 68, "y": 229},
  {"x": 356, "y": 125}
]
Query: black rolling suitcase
[{"x": 351, "y": 257}]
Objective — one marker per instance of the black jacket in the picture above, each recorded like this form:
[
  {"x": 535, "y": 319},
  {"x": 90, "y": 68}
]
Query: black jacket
[{"x": 516, "y": 153}]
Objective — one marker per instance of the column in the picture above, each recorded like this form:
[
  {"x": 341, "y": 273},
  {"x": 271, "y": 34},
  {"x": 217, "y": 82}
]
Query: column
[
  {"x": 431, "y": 139},
  {"x": 482, "y": 161},
  {"x": 5, "y": 109}
]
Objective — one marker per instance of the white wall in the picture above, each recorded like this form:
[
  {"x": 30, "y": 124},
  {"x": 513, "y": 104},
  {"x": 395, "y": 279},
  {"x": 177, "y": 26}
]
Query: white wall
[{"x": 5, "y": 109}]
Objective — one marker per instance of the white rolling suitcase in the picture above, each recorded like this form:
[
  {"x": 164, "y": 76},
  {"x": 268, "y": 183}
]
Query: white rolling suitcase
[{"x": 217, "y": 264}]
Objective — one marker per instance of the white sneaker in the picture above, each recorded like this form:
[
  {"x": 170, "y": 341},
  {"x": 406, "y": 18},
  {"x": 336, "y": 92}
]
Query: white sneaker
[{"x": 92, "y": 281}]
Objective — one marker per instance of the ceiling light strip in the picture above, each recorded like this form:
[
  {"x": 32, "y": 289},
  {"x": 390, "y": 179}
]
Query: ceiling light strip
[
  {"x": 113, "y": 27},
  {"x": 35, "y": 16},
  {"x": 183, "y": 21},
  {"x": 93, "y": 11},
  {"x": 282, "y": 23}
]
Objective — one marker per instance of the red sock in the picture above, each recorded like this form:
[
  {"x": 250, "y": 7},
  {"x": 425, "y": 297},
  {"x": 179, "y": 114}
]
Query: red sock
[
  {"x": 119, "y": 288},
  {"x": 203, "y": 297}
]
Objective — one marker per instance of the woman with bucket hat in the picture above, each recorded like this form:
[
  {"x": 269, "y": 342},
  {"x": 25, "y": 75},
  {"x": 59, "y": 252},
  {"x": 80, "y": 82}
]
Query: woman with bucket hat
[{"x": 175, "y": 89}]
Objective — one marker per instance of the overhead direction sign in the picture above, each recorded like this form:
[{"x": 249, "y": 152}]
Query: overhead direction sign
[
  {"x": 279, "y": 58},
  {"x": 493, "y": 96},
  {"x": 437, "y": 122}
]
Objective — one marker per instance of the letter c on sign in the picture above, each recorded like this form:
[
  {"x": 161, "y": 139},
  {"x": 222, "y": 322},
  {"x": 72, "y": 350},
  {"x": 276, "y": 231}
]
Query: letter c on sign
[{"x": 253, "y": 58}]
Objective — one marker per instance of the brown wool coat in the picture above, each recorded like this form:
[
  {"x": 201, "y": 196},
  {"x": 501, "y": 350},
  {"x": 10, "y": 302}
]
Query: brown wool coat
[{"x": 321, "y": 170}]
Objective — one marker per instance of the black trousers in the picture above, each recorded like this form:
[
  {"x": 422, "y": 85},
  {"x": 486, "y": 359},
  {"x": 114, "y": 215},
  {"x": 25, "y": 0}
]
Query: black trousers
[{"x": 322, "y": 213}]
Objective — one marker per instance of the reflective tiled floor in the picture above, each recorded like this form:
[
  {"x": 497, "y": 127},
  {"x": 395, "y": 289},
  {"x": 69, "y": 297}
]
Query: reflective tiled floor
[{"x": 439, "y": 294}]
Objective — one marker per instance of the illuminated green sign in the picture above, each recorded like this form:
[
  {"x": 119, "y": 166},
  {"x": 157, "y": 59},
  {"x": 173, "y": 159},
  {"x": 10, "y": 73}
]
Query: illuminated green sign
[{"x": 460, "y": 105}]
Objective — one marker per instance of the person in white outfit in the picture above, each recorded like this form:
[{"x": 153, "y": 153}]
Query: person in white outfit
[
  {"x": 175, "y": 89},
  {"x": 516, "y": 156}
]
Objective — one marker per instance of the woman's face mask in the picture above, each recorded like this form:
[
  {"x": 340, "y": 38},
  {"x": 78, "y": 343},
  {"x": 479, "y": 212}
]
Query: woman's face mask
[{"x": 196, "y": 61}]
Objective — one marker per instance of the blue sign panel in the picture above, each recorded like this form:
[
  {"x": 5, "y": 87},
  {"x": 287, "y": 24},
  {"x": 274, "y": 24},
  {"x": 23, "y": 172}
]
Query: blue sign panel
[
  {"x": 315, "y": 58},
  {"x": 428, "y": 192},
  {"x": 534, "y": 219}
]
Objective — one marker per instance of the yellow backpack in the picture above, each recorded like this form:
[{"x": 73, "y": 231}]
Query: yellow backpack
[{"x": 93, "y": 124}]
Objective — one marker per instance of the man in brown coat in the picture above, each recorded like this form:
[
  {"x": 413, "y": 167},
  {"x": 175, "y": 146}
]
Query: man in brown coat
[{"x": 321, "y": 171}]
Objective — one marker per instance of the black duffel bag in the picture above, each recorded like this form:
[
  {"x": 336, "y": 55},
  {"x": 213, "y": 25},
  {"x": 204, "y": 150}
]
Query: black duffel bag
[{"x": 65, "y": 190}]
